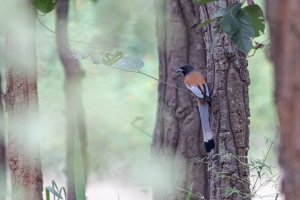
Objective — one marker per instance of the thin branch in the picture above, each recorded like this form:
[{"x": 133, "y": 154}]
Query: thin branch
[
  {"x": 267, "y": 181},
  {"x": 168, "y": 84},
  {"x": 270, "y": 195},
  {"x": 138, "y": 72},
  {"x": 52, "y": 31},
  {"x": 259, "y": 45},
  {"x": 152, "y": 77},
  {"x": 135, "y": 126},
  {"x": 264, "y": 161},
  {"x": 196, "y": 195}
]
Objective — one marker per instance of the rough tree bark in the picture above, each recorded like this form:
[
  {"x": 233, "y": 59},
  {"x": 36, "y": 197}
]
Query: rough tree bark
[
  {"x": 228, "y": 78},
  {"x": 2, "y": 146},
  {"x": 177, "y": 135},
  {"x": 76, "y": 158},
  {"x": 22, "y": 104},
  {"x": 285, "y": 45}
]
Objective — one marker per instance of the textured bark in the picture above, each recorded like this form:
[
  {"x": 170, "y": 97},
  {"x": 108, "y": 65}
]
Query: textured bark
[
  {"x": 76, "y": 158},
  {"x": 285, "y": 51},
  {"x": 2, "y": 146},
  {"x": 22, "y": 105},
  {"x": 177, "y": 135},
  {"x": 228, "y": 78}
]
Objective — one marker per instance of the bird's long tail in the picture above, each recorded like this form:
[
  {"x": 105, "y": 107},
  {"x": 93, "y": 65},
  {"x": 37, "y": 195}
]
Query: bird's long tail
[{"x": 207, "y": 133}]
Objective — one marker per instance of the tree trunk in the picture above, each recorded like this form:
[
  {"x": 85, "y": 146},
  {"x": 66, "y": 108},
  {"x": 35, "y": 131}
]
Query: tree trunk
[
  {"x": 2, "y": 146},
  {"x": 228, "y": 78},
  {"x": 22, "y": 105},
  {"x": 177, "y": 135},
  {"x": 76, "y": 158},
  {"x": 285, "y": 45}
]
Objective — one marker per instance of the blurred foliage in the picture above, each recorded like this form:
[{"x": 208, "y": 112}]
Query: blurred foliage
[
  {"x": 128, "y": 25},
  {"x": 113, "y": 99}
]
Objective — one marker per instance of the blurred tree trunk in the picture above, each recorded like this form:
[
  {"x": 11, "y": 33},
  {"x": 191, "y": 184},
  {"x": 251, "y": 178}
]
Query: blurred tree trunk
[
  {"x": 2, "y": 146},
  {"x": 22, "y": 104},
  {"x": 177, "y": 136},
  {"x": 76, "y": 158},
  {"x": 228, "y": 78},
  {"x": 285, "y": 45}
]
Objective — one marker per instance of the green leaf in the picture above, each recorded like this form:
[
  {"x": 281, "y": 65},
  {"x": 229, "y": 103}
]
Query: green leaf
[
  {"x": 238, "y": 26},
  {"x": 189, "y": 194},
  {"x": 63, "y": 191},
  {"x": 44, "y": 6},
  {"x": 219, "y": 13},
  {"x": 232, "y": 191},
  {"x": 54, "y": 185},
  {"x": 229, "y": 22},
  {"x": 130, "y": 63},
  {"x": 205, "y": 23},
  {"x": 203, "y": 2},
  {"x": 242, "y": 38},
  {"x": 55, "y": 193},
  {"x": 258, "y": 20},
  {"x": 47, "y": 195},
  {"x": 112, "y": 58}
]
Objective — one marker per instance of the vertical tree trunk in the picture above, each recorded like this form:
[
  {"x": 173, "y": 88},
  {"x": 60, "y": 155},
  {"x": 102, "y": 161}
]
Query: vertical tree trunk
[
  {"x": 177, "y": 135},
  {"x": 2, "y": 146},
  {"x": 228, "y": 78},
  {"x": 22, "y": 105},
  {"x": 76, "y": 158},
  {"x": 285, "y": 45}
]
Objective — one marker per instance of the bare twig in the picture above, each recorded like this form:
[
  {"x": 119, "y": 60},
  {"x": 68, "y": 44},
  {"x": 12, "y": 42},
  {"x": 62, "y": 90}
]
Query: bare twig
[
  {"x": 152, "y": 77},
  {"x": 264, "y": 161},
  {"x": 168, "y": 84},
  {"x": 135, "y": 126},
  {"x": 52, "y": 31},
  {"x": 268, "y": 181},
  {"x": 196, "y": 195}
]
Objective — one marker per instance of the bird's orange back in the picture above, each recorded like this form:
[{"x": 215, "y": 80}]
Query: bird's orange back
[{"x": 195, "y": 79}]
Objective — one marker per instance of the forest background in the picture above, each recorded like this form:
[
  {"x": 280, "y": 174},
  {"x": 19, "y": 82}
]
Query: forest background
[{"x": 120, "y": 106}]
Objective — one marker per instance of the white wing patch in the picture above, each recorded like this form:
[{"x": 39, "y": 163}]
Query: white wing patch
[
  {"x": 196, "y": 91},
  {"x": 206, "y": 89}
]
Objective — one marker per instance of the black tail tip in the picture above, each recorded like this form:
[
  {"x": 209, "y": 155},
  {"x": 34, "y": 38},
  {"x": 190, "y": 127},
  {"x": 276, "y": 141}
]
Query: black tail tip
[{"x": 209, "y": 145}]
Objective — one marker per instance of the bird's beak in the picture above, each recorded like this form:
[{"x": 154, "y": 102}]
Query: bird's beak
[{"x": 179, "y": 70}]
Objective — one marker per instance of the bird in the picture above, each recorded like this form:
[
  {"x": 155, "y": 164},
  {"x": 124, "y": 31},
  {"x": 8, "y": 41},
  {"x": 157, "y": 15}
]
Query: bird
[{"x": 196, "y": 83}]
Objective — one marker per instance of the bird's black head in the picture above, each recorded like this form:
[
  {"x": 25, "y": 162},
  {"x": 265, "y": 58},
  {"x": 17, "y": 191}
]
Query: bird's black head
[{"x": 185, "y": 69}]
